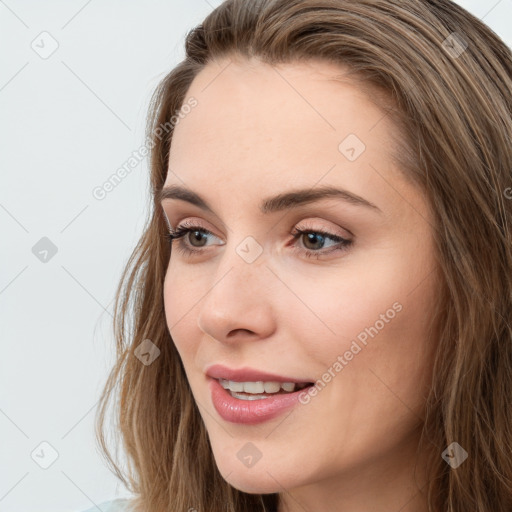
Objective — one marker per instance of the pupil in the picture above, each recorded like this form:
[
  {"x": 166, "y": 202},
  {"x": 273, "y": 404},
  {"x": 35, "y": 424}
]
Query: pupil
[
  {"x": 313, "y": 236},
  {"x": 195, "y": 236},
  {"x": 198, "y": 236}
]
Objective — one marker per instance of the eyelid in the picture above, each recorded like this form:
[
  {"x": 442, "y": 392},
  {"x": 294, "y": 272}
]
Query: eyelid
[
  {"x": 296, "y": 217},
  {"x": 189, "y": 216},
  {"x": 182, "y": 219},
  {"x": 306, "y": 225},
  {"x": 312, "y": 224},
  {"x": 192, "y": 223}
]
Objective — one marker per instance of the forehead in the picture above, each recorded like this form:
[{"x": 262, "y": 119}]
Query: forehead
[
  {"x": 257, "y": 128},
  {"x": 270, "y": 108}
]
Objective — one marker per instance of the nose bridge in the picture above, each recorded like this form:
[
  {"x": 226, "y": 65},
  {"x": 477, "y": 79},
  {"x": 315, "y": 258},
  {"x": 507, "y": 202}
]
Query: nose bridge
[
  {"x": 238, "y": 297},
  {"x": 242, "y": 267}
]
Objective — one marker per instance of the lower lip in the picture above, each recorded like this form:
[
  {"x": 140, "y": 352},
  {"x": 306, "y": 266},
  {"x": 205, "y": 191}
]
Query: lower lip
[{"x": 250, "y": 412}]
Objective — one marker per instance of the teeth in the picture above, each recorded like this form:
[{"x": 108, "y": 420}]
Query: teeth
[
  {"x": 269, "y": 387},
  {"x": 260, "y": 387},
  {"x": 288, "y": 386}
]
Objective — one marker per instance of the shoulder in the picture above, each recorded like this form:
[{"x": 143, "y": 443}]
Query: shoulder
[{"x": 117, "y": 505}]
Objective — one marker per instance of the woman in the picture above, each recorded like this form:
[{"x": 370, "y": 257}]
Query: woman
[{"x": 317, "y": 316}]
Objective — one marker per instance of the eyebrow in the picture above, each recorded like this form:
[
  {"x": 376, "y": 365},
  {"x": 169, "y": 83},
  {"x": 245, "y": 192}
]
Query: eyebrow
[{"x": 284, "y": 201}]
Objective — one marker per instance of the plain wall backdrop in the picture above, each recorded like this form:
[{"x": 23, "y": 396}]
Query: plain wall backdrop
[{"x": 75, "y": 81}]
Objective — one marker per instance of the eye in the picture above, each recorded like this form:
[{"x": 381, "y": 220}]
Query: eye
[
  {"x": 313, "y": 240},
  {"x": 315, "y": 236},
  {"x": 184, "y": 246}
]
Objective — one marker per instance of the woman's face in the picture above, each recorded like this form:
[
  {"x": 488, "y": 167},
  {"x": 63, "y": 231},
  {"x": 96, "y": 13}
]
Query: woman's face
[{"x": 352, "y": 317}]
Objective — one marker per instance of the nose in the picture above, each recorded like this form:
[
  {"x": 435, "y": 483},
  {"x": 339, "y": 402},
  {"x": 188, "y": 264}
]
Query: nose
[{"x": 239, "y": 301}]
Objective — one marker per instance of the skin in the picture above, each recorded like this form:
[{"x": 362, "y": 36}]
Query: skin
[{"x": 253, "y": 135}]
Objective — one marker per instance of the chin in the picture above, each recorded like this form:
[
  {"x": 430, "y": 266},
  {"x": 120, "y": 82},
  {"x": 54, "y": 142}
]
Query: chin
[
  {"x": 249, "y": 483},
  {"x": 263, "y": 478}
]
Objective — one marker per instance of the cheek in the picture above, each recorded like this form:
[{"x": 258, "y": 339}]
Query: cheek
[
  {"x": 368, "y": 341},
  {"x": 376, "y": 318},
  {"x": 178, "y": 302}
]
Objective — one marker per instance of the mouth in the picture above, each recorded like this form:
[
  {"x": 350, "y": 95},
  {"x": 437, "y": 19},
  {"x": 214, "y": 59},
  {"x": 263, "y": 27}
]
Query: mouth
[
  {"x": 258, "y": 390},
  {"x": 252, "y": 402}
]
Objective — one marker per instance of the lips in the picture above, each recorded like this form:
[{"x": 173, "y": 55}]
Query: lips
[
  {"x": 247, "y": 374},
  {"x": 250, "y": 412}
]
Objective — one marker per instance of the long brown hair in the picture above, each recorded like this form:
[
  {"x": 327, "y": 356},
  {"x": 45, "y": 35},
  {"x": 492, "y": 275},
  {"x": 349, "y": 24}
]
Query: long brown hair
[{"x": 445, "y": 80}]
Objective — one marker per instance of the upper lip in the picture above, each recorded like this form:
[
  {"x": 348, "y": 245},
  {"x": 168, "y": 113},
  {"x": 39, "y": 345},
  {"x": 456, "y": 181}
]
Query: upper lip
[{"x": 246, "y": 374}]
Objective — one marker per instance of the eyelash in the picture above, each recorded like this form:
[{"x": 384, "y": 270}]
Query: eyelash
[{"x": 181, "y": 231}]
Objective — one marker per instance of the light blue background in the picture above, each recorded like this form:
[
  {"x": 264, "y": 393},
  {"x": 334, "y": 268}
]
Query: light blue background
[{"x": 68, "y": 122}]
